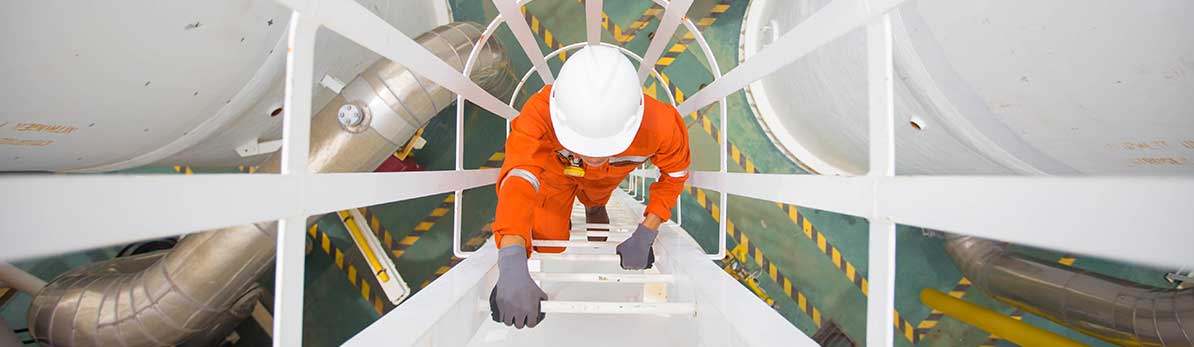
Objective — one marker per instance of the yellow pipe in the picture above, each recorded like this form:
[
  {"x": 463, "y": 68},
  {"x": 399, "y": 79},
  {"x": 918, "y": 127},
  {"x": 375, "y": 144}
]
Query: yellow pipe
[
  {"x": 375, "y": 264},
  {"x": 1017, "y": 332}
]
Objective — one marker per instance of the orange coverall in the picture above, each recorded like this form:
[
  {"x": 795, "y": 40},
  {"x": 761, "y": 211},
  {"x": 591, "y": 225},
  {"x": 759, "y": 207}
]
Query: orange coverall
[{"x": 535, "y": 197}]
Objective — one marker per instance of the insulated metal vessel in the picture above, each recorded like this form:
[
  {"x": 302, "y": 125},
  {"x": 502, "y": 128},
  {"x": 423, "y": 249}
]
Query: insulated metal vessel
[
  {"x": 183, "y": 82},
  {"x": 1058, "y": 87},
  {"x": 201, "y": 284}
]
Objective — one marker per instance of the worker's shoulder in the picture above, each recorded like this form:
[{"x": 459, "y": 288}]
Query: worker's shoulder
[
  {"x": 543, "y": 95},
  {"x": 537, "y": 106},
  {"x": 660, "y": 115}
]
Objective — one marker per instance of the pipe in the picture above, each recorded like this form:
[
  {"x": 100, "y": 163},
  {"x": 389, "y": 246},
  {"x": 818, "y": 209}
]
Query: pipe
[
  {"x": 18, "y": 279},
  {"x": 1111, "y": 309},
  {"x": 1018, "y": 332},
  {"x": 209, "y": 278}
]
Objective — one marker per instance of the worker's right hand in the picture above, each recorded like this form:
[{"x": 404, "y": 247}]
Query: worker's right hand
[{"x": 515, "y": 299}]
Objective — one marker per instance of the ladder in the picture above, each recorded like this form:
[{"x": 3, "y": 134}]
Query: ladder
[{"x": 683, "y": 300}]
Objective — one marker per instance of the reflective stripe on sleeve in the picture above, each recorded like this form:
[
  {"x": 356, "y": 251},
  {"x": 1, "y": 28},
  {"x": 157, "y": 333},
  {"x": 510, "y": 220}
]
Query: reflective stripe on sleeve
[
  {"x": 629, "y": 159},
  {"x": 524, "y": 174}
]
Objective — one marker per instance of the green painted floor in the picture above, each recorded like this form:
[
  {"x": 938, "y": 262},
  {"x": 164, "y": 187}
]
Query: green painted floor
[{"x": 803, "y": 271}]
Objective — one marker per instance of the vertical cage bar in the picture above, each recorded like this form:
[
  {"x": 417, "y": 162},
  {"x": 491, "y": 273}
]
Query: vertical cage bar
[
  {"x": 663, "y": 34},
  {"x": 509, "y": 10},
  {"x": 296, "y": 134},
  {"x": 882, "y": 247},
  {"x": 721, "y": 227},
  {"x": 456, "y": 227},
  {"x": 593, "y": 21}
]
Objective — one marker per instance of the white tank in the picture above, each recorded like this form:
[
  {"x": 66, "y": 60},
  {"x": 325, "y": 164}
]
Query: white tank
[
  {"x": 994, "y": 87},
  {"x": 101, "y": 86}
]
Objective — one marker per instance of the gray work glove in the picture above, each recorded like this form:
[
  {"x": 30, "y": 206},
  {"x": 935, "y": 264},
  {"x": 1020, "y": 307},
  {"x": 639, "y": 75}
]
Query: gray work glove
[
  {"x": 636, "y": 251},
  {"x": 515, "y": 298}
]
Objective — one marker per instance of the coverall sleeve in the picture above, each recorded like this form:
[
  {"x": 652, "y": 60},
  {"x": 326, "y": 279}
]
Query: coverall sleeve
[
  {"x": 672, "y": 160},
  {"x": 518, "y": 183}
]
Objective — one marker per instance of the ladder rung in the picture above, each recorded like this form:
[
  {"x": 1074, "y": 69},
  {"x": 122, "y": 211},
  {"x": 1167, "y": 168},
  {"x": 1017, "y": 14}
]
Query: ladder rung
[
  {"x": 577, "y": 257},
  {"x": 603, "y": 277},
  {"x": 570, "y": 243},
  {"x": 581, "y": 235},
  {"x": 595, "y": 307},
  {"x": 614, "y": 227}
]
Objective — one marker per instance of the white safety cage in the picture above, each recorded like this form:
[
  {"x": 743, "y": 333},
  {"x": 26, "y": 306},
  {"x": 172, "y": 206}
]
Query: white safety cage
[{"x": 1045, "y": 209}]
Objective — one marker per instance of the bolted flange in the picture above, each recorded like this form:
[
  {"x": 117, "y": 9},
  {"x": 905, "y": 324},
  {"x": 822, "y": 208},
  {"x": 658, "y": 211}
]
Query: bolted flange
[{"x": 353, "y": 118}]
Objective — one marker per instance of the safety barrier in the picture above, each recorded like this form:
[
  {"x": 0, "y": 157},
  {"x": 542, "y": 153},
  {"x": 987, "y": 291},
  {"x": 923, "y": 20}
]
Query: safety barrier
[{"x": 1156, "y": 207}]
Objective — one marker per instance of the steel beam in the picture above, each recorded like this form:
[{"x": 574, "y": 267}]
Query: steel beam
[
  {"x": 593, "y": 9},
  {"x": 882, "y": 244},
  {"x": 1134, "y": 219},
  {"x": 296, "y": 139},
  {"x": 100, "y": 206}
]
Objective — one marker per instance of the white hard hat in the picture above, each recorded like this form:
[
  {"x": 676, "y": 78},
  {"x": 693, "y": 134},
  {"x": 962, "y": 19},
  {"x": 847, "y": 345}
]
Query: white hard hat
[{"x": 596, "y": 102}]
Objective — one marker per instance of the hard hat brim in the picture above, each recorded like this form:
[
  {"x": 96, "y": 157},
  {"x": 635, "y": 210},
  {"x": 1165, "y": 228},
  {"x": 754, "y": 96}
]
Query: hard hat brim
[{"x": 605, "y": 146}]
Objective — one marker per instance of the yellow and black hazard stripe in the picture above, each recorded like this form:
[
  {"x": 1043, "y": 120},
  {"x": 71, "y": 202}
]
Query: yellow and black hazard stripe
[
  {"x": 611, "y": 27},
  {"x": 474, "y": 241},
  {"x": 906, "y": 328},
  {"x": 802, "y": 301},
  {"x": 736, "y": 154},
  {"x": 935, "y": 316},
  {"x": 183, "y": 169},
  {"x": 495, "y": 160},
  {"x": 425, "y": 225},
  {"x": 641, "y": 23},
  {"x": 823, "y": 244},
  {"x": 794, "y": 215},
  {"x": 537, "y": 27},
  {"x": 440, "y": 271},
  {"x": 810, "y": 231},
  {"x": 379, "y": 229},
  {"x": 358, "y": 279},
  {"x": 681, "y": 45}
]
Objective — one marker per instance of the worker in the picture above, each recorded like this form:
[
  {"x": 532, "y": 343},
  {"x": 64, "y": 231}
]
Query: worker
[{"x": 577, "y": 140}]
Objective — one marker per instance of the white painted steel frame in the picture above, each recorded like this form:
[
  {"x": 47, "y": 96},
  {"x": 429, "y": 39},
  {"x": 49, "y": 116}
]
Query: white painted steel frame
[
  {"x": 881, "y": 248},
  {"x": 290, "y": 256},
  {"x": 526, "y": 39},
  {"x": 1027, "y": 210},
  {"x": 593, "y": 9},
  {"x": 603, "y": 277},
  {"x": 101, "y": 205},
  {"x": 448, "y": 312}
]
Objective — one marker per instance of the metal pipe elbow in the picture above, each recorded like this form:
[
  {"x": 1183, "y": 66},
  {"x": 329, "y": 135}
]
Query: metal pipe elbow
[
  {"x": 1111, "y": 309},
  {"x": 187, "y": 295}
]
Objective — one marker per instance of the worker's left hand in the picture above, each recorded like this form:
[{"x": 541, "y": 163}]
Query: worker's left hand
[{"x": 636, "y": 251}]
